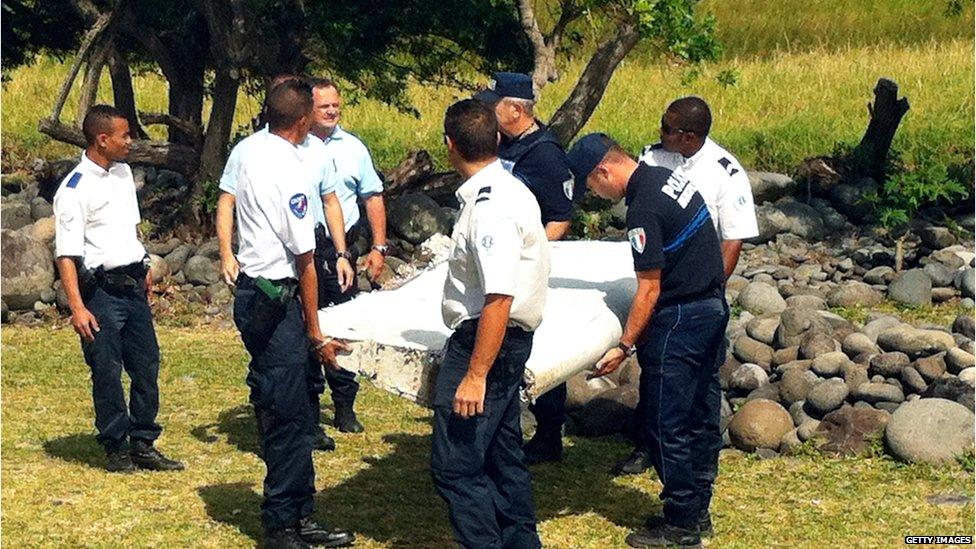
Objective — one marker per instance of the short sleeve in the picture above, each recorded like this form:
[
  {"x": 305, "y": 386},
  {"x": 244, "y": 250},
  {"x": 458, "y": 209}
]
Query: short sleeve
[
  {"x": 297, "y": 228},
  {"x": 736, "y": 209},
  {"x": 369, "y": 180},
  {"x": 547, "y": 175},
  {"x": 228, "y": 179},
  {"x": 69, "y": 231},
  {"x": 495, "y": 242},
  {"x": 644, "y": 231}
]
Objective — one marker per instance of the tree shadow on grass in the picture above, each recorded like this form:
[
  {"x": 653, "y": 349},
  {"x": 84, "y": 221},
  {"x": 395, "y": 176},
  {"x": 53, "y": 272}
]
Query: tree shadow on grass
[
  {"x": 393, "y": 500},
  {"x": 236, "y": 504},
  {"x": 236, "y": 424},
  {"x": 78, "y": 448}
]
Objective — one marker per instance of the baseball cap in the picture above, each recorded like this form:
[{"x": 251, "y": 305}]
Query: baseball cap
[
  {"x": 586, "y": 153},
  {"x": 507, "y": 84}
]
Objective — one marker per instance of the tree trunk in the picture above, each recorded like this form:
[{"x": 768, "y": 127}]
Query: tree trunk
[
  {"x": 573, "y": 114},
  {"x": 84, "y": 52},
  {"x": 871, "y": 154},
  {"x": 123, "y": 94},
  {"x": 93, "y": 74},
  {"x": 185, "y": 103},
  {"x": 172, "y": 156},
  {"x": 544, "y": 55},
  {"x": 214, "y": 152}
]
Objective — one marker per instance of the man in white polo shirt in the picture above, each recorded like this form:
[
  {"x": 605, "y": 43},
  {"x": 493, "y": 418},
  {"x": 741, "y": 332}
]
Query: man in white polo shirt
[{"x": 494, "y": 294}]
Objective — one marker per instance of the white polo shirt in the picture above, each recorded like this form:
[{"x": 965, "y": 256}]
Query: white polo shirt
[
  {"x": 720, "y": 180},
  {"x": 272, "y": 203},
  {"x": 319, "y": 170},
  {"x": 97, "y": 212},
  {"x": 356, "y": 176},
  {"x": 500, "y": 247}
]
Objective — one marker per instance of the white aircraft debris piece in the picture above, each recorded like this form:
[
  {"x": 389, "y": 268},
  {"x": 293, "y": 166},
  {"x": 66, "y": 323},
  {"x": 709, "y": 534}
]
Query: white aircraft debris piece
[{"x": 398, "y": 335}]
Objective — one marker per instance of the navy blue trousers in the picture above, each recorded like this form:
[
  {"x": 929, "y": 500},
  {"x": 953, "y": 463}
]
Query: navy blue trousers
[
  {"x": 550, "y": 411},
  {"x": 477, "y": 463},
  {"x": 126, "y": 341},
  {"x": 342, "y": 383},
  {"x": 680, "y": 403},
  {"x": 277, "y": 377}
]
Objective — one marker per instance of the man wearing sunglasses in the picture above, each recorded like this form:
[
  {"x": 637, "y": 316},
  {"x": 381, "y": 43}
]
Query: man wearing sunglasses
[{"x": 686, "y": 149}]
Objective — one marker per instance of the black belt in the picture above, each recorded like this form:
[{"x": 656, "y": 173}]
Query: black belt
[{"x": 126, "y": 277}]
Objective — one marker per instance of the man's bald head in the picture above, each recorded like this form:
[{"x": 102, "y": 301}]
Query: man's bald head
[
  {"x": 692, "y": 114},
  {"x": 287, "y": 103}
]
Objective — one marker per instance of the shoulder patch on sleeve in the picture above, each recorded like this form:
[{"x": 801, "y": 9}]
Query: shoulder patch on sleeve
[
  {"x": 638, "y": 239},
  {"x": 727, "y": 164},
  {"x": 299, "y": 205},
  {"x": 73, "y": 182}
]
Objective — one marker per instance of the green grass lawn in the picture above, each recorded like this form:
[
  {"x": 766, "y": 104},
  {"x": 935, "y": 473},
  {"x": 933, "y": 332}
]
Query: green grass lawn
[
  {"x": 804, "y": 72},
  {"x": 54, "y": 492}
]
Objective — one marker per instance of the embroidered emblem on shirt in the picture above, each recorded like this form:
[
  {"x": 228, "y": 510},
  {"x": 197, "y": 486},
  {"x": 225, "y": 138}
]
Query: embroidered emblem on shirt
[
  {"x": 568, "y": 188},
  {"x": 487, "y": 241},
  {"x": 637, "y": 239},
  {"x": 740, "y": 202},
  {"x": 727, "y": 164},
  {"x": 65, "y": 219},
  {"x": 299, "y": 205}
]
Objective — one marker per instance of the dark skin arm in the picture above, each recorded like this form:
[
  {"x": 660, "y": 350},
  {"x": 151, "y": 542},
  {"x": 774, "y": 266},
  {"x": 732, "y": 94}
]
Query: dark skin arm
[
  {"x": 469, "y": 399},
  {"x": 82, "y": 320},
  {"x": 641, "y": 309},
  {"x": 730, "y": 255},
  {"x": 308, "y": 291}
]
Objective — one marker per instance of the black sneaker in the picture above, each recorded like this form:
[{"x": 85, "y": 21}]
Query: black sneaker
[
  {"x": 284, "y": 538},
  {"x": 543, "y": 448},
  {"x": 638, "y": 462},
  {"x": 315, "y": 534},
  {"x": 322, "y": 441},
  {"x": 119, "y": 461},
  {"x": 705, "y": 528},
  {"x": 345, "y": 420},
  {"x": 145, "y": 456},
  {"x": 665, "y": 535}
]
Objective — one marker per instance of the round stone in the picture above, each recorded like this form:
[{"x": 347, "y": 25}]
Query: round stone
[
  {"x": 759, "y": 423},
  {"x": 930, "y": 430}
]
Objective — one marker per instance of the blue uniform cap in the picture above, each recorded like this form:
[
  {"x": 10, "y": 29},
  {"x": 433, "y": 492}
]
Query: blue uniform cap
[
  {"x": 586, "y": 153},
  {"x": 507, "y": 84}
]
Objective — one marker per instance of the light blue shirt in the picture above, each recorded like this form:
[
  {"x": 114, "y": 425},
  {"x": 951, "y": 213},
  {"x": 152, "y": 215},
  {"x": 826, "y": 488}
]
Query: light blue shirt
[
  {"x": 356, "y": 177},
  {"x": 320, "y": 172}
]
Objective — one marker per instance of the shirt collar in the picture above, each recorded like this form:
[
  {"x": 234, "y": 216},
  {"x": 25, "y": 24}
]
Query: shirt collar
[
  {"x": 91, "y": 167},
  {"x": 702, "y": 152},
  {"x": 469, "y": 189},
  {"x": 281, "y": 143},
  {"x": 337, "y": 134}
]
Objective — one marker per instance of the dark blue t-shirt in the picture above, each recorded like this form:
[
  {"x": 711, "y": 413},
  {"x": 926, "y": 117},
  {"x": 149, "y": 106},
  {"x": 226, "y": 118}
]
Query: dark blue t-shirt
[
  {"x": 540, "y": 162},
  {"x": 669, "y": 228}
]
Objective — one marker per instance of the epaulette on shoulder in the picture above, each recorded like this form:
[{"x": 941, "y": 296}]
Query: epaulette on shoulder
[
  {"x": 484, "y": 194},
  {"x": 73, "y": 180},
  {"x": 651, "y": 148},
  {"x": 727, "y": 164}
]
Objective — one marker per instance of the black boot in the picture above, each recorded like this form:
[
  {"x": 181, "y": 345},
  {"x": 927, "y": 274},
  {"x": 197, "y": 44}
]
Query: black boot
[
  {"x": 119, "y": 460},
  {"x": 705, "y": 528},
  {"x": 638, "y": 462},
  {"x": 321, "y": 536},
  {"x": 665, "y": 535},
  {"x": 345, "y": 419},
  {"x": 546, "y": 446},
  {"x": 284, "y": 538},
  {"x": 321, "y": 440},
  {"x": 145, "y": 456}
]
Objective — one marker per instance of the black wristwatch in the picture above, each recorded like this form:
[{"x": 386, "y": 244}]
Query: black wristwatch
[
  {"x": 628, "y": 350},
  {"x": 346, "y": 254},
  {"x": 381, "y": 248}
]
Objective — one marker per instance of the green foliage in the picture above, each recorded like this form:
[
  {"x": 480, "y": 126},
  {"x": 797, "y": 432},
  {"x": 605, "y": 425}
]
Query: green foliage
[
  {"x": 905, "y": 193},
  {"x": 207, "y": 200},
  {"x": 673, "y": 26},
  {"x": 728, "y": 77}
]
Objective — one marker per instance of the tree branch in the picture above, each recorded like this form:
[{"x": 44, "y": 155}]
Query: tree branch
[
  {"x": 93, "y": 73},
  {"x": 544, "y": 56},
  {"x": 123, "y": 94},
  {"x": 583, "y": 100},
  {"x": 83, "y": 52},
  {"x": 185, "y": 126}
]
